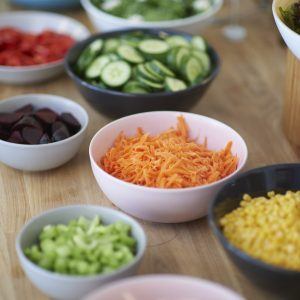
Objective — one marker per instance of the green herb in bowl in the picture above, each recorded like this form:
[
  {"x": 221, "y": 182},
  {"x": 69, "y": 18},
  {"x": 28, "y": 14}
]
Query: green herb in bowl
[
  {"x": 83, "y": 247},
  {"x": 291, "y": 16},
  {"x": 140, "y": 63},
  {"x": 153, "y": 10}
]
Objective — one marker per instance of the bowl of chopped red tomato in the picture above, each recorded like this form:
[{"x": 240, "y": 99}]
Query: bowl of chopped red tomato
[{"x": 33, "y": 45}]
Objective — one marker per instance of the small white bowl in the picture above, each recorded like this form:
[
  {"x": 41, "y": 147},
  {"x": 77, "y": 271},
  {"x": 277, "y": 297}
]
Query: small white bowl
[
  {"x": 35, "y": 22},
  {"x": 156, "y": 204},
  {"x": 67, "y": 287},
  {"x": 103, "y": 21},
  {"x": 163, "y": 287},
  {"x": 46, "y": 156},
  {"x": 291, "y": 38}
]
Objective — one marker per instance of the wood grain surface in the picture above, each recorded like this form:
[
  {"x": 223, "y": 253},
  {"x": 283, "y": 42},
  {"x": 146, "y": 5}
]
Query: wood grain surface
[{"x": 247, "y": 95}]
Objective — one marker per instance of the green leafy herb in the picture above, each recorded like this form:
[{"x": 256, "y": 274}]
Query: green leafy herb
[{"x": 291, "y": 16}]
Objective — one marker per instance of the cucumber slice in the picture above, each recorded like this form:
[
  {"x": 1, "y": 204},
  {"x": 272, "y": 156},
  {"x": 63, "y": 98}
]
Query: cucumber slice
[
  {"x": 174, "y": 85},
  {"x": 181, "y": 55},
  {"x": 204, "y": 58},
  {"x": 111, "y": 45},
  {"x": 113, "y": 57},
  {"x": 161, "y": 69},
  {"x": 150, "y": 84},
  {"x": 116, "y": 73},
  {"x": 89, "y": 54},
  {"x": 193, "y": 69},
  {"x": 153, "y": 73},
  {"x": 134, "y": 87},
  {"x": 199, "y": 43},
  {"x": 154, "y": 47},
  {"x": 96, "y": 67},
  {"x": 171, "y": 58},
  {"x": 130, "y": 54},
  {"x": 142, "y": 71},
  {"x": 177, "y": 40}
]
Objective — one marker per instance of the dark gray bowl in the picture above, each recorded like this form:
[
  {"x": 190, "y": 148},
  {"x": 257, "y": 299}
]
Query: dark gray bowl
[
  {"x": 258, "y": 182},
  {"x": 116, "y": 104}
]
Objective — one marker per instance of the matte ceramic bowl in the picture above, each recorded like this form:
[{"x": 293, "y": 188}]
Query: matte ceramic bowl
[
  {"x": 258, "y": 182},
  {"x": 116, "y": 104},
  {"x": 291, "y": 38},
  {"x": 46, "y": 156},
  {"x": 155, "y": 204},
  {"x": 163, "y": 287},
  {"x": 47, "y": 4},
  {"x": 103, "y": 21},
  {"x": 68, "y": 287},
  {"x": 30, "y": 21}
]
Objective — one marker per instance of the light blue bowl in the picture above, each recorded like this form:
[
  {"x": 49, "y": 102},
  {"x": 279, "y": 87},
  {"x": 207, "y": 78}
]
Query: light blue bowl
[{"x": 47, "y": 4}]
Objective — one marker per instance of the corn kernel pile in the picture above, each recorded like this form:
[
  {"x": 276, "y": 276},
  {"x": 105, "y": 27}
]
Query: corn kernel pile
[{"x": 267, "y": 228}]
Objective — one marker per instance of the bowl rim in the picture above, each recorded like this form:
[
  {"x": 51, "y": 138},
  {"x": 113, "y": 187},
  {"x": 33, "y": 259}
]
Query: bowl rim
[
  {"x": 168, "y": 190},
  {"x": 137, "y": 258},
  {"x": 34, "y": 13},
  {"x": 226, "y": 243},
  {"x": 59, "y": 99},
  {"x": 279, "y": 19},
  {"x": 155, "y": 31},
  {"x": 90, "y": 8},
  {"x": 161, "y": 277}
]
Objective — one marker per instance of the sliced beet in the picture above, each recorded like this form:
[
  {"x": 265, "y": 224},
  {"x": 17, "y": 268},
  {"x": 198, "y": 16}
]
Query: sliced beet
[
  {"x": 70, "y": 121},
  {"x": 60, "y": 134},
  {"x": 27, "y": 121},
  {"x": 57, "y": 125},
  {"x": 26, "y": 109},
  {"x": 45, "y": 139},
  {"x": 4, "y": 133},
  {"x": 16, "y": 138},
  {"x": 46, "y": 115},
  {"x": 32, "y": 135},
  {"x": 8, "y": 119}
]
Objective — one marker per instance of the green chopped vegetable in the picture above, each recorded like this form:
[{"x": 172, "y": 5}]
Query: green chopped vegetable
[
  {"x": 291, "y": 16},
  {"x": 154, "y": 10},
  {"x": 83, "y": 247},
  {"x": 139, "y": 63}
]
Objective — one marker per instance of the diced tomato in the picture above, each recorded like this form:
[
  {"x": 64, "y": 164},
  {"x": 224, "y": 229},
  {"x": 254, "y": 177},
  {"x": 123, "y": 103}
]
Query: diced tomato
[{"x": 19, "y": 48}]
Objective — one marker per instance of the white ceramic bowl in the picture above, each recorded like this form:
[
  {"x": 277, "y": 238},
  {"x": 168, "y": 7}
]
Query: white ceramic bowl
[
  {"x": 67, "y": 287},
  {"x": 291, "y": 38},
  {"x": 164, "y": 287},
  {"x": 155, "y": 204},
  {"x": 31, "y": 21},
  {"x": 103, "y": 21},
  {"x": 46, "y": 156}
]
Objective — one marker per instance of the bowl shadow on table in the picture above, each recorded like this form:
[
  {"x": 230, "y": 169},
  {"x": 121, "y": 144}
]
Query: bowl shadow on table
[
  {"x": 117, "y": 104},
  {"x": 277, "y": 281}
]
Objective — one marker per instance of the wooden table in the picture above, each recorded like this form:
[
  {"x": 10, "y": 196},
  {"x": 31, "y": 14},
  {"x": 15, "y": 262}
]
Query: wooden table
[{"x": 247, "y": 95}]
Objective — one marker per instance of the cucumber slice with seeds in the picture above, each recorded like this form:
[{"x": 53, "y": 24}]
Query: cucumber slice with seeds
[
  {"x": 116, "y": 73},
  {"x": 161, "y": 69},
  {"x": 193, "y": 69},
  {"x": 177, "y": 40},
  {"x": 181, "y": 55},
  {"x": 175, "y": 85},
  {"x": 111, "y": 45},
  {"x": 130, "y": 54},
  {"x": 153, "y": 73},
  {"x": 154, "y": 47},
  {"x": 199, "y": 43},
  {"x": 204, "y": 58},
  {"x": 96, "y": 67},
  {"x": 142, "y": 71}
]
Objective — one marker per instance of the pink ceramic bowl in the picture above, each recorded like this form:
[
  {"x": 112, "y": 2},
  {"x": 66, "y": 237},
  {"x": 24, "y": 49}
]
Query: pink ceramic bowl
[
  {"x": 164, "y": 205},
  {"x": 163, "y": 287}
]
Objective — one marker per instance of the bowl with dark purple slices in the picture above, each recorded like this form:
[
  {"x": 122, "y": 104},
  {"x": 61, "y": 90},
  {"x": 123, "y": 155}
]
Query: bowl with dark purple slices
[
  {"x": 287, "y": 17},
  {"x": 130, "y": 71},
  {"x": 69, "y": 251},
  {"x": 40, "y": 132}
]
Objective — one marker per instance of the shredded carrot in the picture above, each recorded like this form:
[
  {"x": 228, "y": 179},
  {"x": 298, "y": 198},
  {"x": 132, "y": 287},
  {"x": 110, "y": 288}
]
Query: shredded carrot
[{"x": 167, "y": 160}]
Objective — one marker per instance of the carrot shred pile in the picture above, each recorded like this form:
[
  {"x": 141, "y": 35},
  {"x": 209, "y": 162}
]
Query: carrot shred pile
[{"x": 167, "y": 160}]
